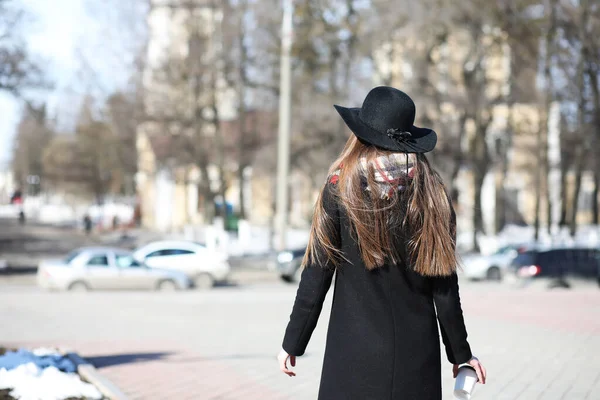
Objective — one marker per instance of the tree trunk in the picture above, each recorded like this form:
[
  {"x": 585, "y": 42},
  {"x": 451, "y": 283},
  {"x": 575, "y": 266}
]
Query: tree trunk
[
  {"x": 220, "y": 162},
  {"x": 478, "y": 178},
  {"x": 539, "y": 173},
  {"x": 206, "y": 197},
  {"x": 583, "y": 148},
  {"x": 548, "y": 97},
  {"x": 575, "y": 204},
  {"x": 216, "y": 120},
  {"x": 481, "y": 163},
  {"x": 243, "y": 79},
  {"x": 564, "y": 195},
  {"x": 596, "y": 215},
  {"x": 593, "y": 76},
  {"x": 242, "y": 196},
  {"x": 501, "y": 182},
  {"x": 458, "y": 159},
  {"x": 549, "y": 202},
  {"x": 500, "y": 217}
]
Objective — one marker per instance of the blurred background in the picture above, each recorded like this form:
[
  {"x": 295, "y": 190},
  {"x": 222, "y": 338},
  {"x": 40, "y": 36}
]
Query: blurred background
[
  {"x": 164, "y": 114},
  {"x": 197, "y": 133}
]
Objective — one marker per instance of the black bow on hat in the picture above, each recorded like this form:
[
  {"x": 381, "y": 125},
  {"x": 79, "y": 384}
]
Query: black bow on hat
[{"x": 386, "y": 119}]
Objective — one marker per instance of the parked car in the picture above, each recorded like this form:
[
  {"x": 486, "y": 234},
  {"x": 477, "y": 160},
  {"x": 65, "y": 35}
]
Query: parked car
[
  {"x": 288, "y": 264},
  {"x": 557, "y": 266},
  {"x": 491, "y": 267},
  {"x": 106, "y": 268},
  {"x": 204, "y": 266}
]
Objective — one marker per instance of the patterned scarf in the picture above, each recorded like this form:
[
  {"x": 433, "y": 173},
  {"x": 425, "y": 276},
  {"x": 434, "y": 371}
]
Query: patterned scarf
[{"x": 392, "y": 172}]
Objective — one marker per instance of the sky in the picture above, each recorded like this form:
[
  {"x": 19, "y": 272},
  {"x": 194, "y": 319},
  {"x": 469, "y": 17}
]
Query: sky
[{"x": 61, "y": 33}]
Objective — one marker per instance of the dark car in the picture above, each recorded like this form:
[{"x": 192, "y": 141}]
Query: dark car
[
  {"x": 289, "y": 263},
  {"x": 558, "y": 266}
]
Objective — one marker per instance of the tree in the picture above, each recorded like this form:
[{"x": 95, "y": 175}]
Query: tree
[
  {"x": 18, "y": 70},
  {"x": 121, "y": 110},
  {"x": 85, "y": 163},
  {"x": 34, "y": 134},
  {"x": 187, "y": 94},
  {"x": 90, "y": 161},
  {"x": 586, "y": 137}
]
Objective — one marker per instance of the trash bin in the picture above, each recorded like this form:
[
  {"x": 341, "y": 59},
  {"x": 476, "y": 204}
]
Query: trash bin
[{"x": 231, "y": 223}]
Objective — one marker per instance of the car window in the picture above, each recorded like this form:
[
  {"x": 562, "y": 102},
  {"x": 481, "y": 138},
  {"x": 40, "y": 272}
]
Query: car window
[
  {"x": 179, "y": 252},
  {"x": 169, "y": 252},
  {"x": 505, "y": 250},
  {"x": 157, "y": 253},
  {"x": 525, "y": 259},
  {"x": 71, "y": 256},
  {"x": 126, "y": 261},
  {"x": 98, "y": 261}
]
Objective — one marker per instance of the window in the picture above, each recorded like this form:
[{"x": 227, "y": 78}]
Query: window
[
  {"x": 157, "y": 253},
  {"x": 126, "y": 261},
  {"x": 505, "y": 250},
  {"x": 71, "y": 256},
  {"x": 179, "y": 252},
  {"x": 169, "y": 252},
  {"x": 524, "y": 259},
  {"x": 98, "y": 261}
]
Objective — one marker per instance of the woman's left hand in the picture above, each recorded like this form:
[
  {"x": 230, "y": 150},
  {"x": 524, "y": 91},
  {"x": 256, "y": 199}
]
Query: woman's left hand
[{"x": 283, "y": 357}]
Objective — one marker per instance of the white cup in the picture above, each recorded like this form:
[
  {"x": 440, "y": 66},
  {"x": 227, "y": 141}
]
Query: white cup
[{"x": 465, "y": 383}]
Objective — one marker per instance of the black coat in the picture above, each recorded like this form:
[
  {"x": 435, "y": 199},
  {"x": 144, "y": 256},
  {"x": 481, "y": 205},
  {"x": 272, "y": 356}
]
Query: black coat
[{"x": 383, "y": 340}]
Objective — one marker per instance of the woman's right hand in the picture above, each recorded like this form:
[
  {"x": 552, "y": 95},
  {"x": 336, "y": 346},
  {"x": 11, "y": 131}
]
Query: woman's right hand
[
  {"x": 479, "y": 369},
  {"x": 283, "y": 358}
]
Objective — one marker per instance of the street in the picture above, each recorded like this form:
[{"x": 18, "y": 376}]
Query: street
[{"x": 536, "y": 344}]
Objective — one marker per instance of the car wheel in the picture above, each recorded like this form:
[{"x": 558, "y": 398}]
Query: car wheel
[
  {"x": 167, "y": 286},
  {"x": 494, "y": 274},
  {"x": 78, "y": 287},
  {"x": 204, "y": 282},
  {"x": 287, "y": 278}
]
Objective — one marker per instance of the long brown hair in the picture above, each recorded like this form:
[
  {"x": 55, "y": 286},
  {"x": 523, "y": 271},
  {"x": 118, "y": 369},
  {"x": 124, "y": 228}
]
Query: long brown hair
[{"x": 422, "y": 214}]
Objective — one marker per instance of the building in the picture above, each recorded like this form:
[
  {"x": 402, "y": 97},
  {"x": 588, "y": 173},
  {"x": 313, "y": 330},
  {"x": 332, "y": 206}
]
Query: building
[
  {"x": 514, "y": 108},
  {"x": 168, "y": 192}
]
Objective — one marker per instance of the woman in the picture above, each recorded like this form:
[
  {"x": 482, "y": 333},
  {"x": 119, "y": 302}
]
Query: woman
[{"x": 385, "y": 225}]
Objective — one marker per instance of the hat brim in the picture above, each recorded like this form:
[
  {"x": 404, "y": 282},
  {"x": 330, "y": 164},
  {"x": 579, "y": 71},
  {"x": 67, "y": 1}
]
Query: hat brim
[{"x": 423, "y": 140}]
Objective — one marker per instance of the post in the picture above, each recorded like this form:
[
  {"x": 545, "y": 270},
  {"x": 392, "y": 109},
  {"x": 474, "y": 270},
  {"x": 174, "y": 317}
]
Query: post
[
  {"x": 283, "y": 148},
  {"x": 554, "y": 163}
]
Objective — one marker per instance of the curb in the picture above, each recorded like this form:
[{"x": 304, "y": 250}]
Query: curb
[{"x": 87, "y": 371}]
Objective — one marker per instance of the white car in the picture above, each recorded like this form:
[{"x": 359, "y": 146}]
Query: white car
[
  {"x": 491, "y": 267},
  {"x": 105, "y": 268},
  {"x": 204, "y": 266}
]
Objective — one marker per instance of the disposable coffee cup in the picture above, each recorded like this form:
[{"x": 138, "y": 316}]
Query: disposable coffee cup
[{"x": 465, "y": 383}]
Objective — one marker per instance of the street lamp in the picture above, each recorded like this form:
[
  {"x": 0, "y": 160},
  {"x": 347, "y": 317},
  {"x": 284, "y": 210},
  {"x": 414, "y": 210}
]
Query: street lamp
[{"x": 283, "y": 147}]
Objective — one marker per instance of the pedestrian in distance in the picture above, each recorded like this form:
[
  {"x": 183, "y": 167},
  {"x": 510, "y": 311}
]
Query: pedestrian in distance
[
  {"x": 385, "y": 227},
  {"x": 87, "y": 224}
]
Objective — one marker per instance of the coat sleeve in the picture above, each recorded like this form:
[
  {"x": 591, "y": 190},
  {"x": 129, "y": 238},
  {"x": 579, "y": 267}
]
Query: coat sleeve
[
  {"x": 314, "y": 284},
  {"x": 450, "y": 315}
]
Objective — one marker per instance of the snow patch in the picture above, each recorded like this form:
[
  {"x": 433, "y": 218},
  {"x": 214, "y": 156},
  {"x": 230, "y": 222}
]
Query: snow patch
[{"x": 29, "y": 382}]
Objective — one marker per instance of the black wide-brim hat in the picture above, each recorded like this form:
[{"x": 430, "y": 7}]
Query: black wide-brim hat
[{"x": 386, "y": 120}]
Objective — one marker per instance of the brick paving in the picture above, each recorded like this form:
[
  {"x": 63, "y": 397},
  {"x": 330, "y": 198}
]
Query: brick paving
[{"x": 536, "y": 344}]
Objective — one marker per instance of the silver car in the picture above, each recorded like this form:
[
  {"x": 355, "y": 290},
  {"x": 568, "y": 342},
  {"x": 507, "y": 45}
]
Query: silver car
[{"x": 106, "y": 268}]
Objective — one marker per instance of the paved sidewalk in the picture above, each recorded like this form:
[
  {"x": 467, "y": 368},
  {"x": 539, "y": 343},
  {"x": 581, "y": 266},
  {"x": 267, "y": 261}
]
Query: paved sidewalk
[{"x": 222, "y": 345}]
